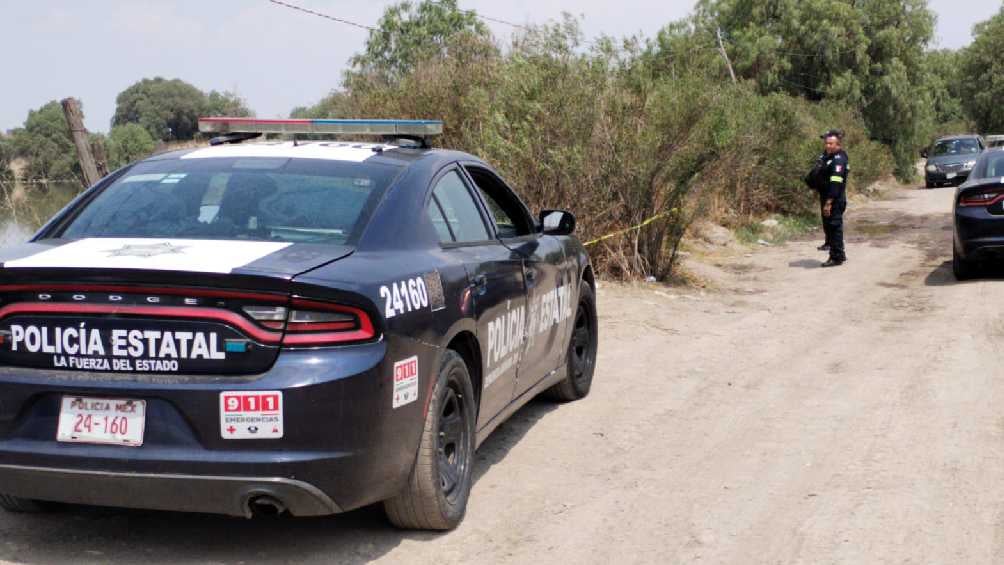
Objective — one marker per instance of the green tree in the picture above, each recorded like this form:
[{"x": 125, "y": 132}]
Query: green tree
[
  {"x": 45, "y": 144},
  {"x": 896, "y": 100},
  {"x": 168, "y": 109},
  {"x": 410, "y": 32},
  {"x": 127, "y": 143},
  {"x": 334, "y": 105},
  {"x": 870, "y": 54},
  {"x": 796, "y": 46},
  {"x": 677, "y": 51},
  {"x": 945, "y": 81},
  {"x": 982, "y": 78},
  {"x": 226, "y": 104}
]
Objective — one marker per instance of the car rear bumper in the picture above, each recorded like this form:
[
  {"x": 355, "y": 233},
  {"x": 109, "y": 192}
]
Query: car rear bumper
[
  {"x": 235, "y": 496},
  {"x": 984, "y": 249},
  {"x": 343, "y": 445},
  {"x": 979, "y": 235}
]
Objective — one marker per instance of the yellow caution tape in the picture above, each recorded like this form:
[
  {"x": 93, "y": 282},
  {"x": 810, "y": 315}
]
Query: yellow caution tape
[{"x": 632, "y": 228}]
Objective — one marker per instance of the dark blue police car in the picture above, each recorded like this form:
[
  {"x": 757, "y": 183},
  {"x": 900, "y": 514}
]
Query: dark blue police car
[
  {"x": 285, "y": 326},
  {"x": 979, "y": 217}
]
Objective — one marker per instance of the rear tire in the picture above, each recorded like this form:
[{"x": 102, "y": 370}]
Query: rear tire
[
  {"x": 962, "y": 269},
  {"x": 20, "y": 505},
  {"x": 435, "y": 497},
  {"x": 580, "y": 361}
]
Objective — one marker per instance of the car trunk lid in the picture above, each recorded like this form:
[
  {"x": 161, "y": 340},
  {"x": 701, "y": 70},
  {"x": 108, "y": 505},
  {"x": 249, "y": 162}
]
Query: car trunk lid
[{"x": 150, "y": 306}]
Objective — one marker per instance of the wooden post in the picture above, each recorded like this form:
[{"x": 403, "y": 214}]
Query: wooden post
[
  {"x": 100, "y": 156},
  {"x": 721, "y": 49},
  {"x": 75, "y": 121}
]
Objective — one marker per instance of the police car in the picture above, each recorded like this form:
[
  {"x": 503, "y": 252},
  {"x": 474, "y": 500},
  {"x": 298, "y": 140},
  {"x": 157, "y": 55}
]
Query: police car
[
  {"x": 978, "y": 212},
  {"x": 285, "y": 326}
]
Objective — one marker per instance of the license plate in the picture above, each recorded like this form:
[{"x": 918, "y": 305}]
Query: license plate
[
  {"x": 950, "y": 175},
  {"x": 106, "y": 421}
]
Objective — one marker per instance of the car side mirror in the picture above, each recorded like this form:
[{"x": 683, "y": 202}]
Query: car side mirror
[
  {"x": 557, "y": 222},
  {"x": 923, "y": 153}
]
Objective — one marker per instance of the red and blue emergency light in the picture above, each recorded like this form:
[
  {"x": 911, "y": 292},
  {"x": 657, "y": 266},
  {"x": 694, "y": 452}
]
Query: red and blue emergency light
[{"x": 409, "y": 128}]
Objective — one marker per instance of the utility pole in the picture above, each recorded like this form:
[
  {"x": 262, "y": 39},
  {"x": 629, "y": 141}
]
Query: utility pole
[
  {"x": 721, "y": 49},
  {"x": 75, "y": 121}
]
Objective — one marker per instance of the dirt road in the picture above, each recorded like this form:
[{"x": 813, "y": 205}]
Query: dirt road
[{"x": 794, "y": 415}]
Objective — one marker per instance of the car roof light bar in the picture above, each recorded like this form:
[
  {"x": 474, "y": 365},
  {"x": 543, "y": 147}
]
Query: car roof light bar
[{"x": 406, "y": 128}]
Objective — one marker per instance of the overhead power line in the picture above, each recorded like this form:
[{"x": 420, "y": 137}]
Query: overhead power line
[
  {"x": 320, "y": 15},
  {"x": 371, "y": 28},
  {"x": 484, "y": 17}
]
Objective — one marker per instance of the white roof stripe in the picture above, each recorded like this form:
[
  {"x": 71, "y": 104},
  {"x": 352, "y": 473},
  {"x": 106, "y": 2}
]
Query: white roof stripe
[
  {"x": 335, "y": 151},
  {"x": 196, "y": 255}
]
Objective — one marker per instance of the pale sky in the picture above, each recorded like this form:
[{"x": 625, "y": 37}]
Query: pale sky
[{"x": 274, "y": 57}]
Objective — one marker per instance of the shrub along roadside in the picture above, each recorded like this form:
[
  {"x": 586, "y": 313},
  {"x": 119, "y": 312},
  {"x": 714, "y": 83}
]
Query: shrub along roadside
[{"x": 607, "y": 134}]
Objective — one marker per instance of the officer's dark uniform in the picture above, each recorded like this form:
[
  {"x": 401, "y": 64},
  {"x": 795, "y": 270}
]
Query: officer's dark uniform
[{"x": 833, "y": 186}]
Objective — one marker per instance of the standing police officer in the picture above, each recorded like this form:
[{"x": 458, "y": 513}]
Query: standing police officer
[{"x": 829, "y": 177}]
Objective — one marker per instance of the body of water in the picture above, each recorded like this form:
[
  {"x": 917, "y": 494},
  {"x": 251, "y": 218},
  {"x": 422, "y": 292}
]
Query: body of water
[{"x": 33, "y": 205}]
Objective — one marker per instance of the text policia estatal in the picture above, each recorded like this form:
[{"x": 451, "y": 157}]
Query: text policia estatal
[
  {"x": 507, "y": 332},
  {"x": 140, "y": 350}
]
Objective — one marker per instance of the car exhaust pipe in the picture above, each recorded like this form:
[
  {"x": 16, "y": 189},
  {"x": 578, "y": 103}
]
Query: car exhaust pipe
[{"x": 264, "y": 505}]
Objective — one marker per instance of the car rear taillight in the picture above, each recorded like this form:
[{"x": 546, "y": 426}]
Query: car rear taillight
[
  {"x": 312, "y": 323},
  {"x": 273, "y": 317},
  {"x": 981, "y": 198}
]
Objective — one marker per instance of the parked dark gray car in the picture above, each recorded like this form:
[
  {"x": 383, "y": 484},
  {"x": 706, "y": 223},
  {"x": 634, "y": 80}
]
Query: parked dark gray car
[{"x": 951, "y": 158}]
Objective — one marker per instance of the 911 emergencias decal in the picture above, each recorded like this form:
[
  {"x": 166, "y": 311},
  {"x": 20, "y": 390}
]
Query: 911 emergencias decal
[
  {"x": 251, "y": 414},
  {"x": 404, "y": 296},
  {"x": 405, "y": 382}
]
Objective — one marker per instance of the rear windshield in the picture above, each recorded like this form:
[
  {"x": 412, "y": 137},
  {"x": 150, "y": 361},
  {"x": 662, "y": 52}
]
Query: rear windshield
[
  {"x": 264, "y": 199},
  {"x": 955, "y": 147}
]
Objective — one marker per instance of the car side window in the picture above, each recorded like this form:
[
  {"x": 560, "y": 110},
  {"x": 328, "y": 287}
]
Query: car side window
[
  {"x": 459, "y": 209},
  {"x": 435, "y": 215},
  {"x": 508, "y": 212}
]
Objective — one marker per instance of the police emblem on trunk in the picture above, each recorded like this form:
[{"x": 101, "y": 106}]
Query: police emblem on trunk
[{"x": 150, "y": 250}]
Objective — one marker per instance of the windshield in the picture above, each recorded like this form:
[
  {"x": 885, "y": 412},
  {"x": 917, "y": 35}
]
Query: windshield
[
  {"x": 955, "y": 147},
  {"x": 264, "y": 199}
]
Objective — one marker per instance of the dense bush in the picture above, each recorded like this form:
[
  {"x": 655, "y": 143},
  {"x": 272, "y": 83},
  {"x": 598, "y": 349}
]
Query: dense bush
[
  {"x": 128, "y": 143},
  {"x": 615, "y": 135},
  {"x": 7, "y": 155}
]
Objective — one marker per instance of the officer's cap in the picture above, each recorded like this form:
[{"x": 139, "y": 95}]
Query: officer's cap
[{"x": 833, "y": 133}]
